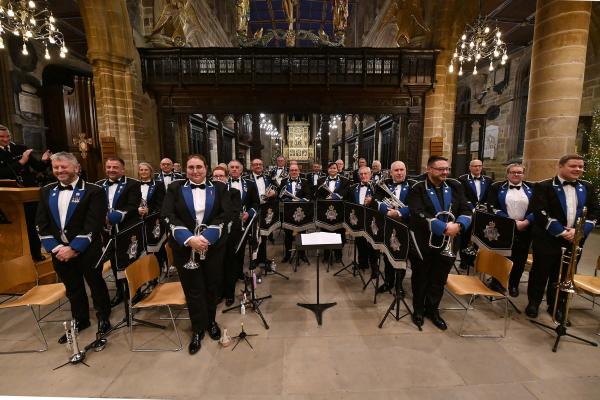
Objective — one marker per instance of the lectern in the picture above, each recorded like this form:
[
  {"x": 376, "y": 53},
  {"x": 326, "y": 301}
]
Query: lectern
[{"x": 13, "y": 231}]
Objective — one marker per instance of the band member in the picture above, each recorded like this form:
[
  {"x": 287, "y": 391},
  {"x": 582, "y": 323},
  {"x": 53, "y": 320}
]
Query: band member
[
  {"x": 556, "y": 204},
  {"x": 267, "y": 193},
  {"x": 430, "y": 266},
  {"x": 362, "y": 162},
  {"x": 167, "y": 174},
  {"x": 314, "y": 176},
  {"x": 376, "y": 171},
  {"x": 362, "y": 193},
  {"x": 123, "y": 198},
  {"x": 476, "y": 187},
  {"x": 188, "y": 203},
  {"x": 337, "y": 189},
  {"x": 399, "y": 185},
  {"x": 300, "y": 188},
  {"x": 177, "y": 169},
  {"x": 70, "y": 220},
  {"x": 340, "y": 166},
  {"x": 280, "y": 172},
  {"x": 17, "y": 162},
  {"x": 511, "y": 199},
  {"x": 153, "y": 195}
]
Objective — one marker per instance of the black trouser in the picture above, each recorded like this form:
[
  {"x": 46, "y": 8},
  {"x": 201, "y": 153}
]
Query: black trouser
[
  {"x": 428, "y": 279},
  {"x": 519, "y": 255},
  {"x": 35, "y": 246},
  {"x": 288, "y": 242},
  {"x": 261, "y": 256},
  {"x": 73, "y": 273},
  {"x": 233, "y": 265},
  {"x": 337, "y": 252},
  {"x": 544, "y": 273},
  {"x": 367, "y": 255},
  {"x": 390, "y": 274},
  {"x": 202, "y": 286}
]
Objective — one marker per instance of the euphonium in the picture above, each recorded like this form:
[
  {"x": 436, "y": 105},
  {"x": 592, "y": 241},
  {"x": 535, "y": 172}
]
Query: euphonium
[
  {"x": 391, "y": 201},
  {"x": 192, "y": 264},
  {"x": 325, "y": 186},
  {"x": 447, "y": 241},
  {"x": 568, "y": 264},
  {"x": 286, "y": 192}
]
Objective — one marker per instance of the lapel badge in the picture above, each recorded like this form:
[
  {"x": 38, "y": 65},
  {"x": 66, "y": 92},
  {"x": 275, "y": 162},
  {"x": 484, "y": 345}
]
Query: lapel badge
[{"x": 76, "y": 198}]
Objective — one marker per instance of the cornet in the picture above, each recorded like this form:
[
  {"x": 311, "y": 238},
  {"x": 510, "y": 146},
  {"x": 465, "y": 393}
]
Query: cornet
[
  {"x": 391, "y": 201},
  {"x": 72, "y": 333},
  {"x": 264, "y": 197},
  {"x": 192, "y": 264},
  {"x": 447, "y": 241},
  {"x": 286, "y": 192}
]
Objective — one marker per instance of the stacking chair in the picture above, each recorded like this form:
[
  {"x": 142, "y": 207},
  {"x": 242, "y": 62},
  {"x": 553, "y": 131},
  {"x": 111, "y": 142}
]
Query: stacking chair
[
  {"x": 21, "y": 271},
  {"x": 486, "y": 263},
  {"x": 142, "y": 271},
  {"x": 589, "y": 284}
]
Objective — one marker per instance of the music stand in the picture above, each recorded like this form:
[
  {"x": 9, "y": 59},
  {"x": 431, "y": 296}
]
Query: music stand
[
  {"x": 317, "y": 307},
  {"x": 395, "y": 305},
  {"x": 353, "y": 264}
]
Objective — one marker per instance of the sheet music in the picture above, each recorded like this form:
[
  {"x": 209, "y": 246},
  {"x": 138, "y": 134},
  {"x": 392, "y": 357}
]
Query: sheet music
[{"x": 320, "y": 238}]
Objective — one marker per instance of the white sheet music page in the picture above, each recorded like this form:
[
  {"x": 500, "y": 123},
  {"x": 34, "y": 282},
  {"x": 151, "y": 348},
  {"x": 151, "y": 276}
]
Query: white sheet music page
[{"x": 319, "y": 238}]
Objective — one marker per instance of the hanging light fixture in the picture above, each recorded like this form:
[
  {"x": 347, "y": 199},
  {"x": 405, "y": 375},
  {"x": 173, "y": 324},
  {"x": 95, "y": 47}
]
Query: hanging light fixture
[
  {"x": 479, "y": 41},
  {"x": 25, "y": 19}
]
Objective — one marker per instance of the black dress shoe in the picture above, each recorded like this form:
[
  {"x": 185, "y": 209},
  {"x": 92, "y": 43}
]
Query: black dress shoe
[
  {"x": 531, "y": 310},
  {"x": 513, "y": 291},
  {"x": 496, "y": 286},
  {"x": 214, "y": 331},
  {"x": 117, "y": 299},
  {"x": 384, "y": 288},
  {"x": 81, "y": 325},
  {"x": 285, "y": 259},
  {"x": 195, "y": 343},
  {"x": 39, "y": 258},
  {"x": 229, "y": 301},
  {"x": 418, "y": 319},
  {"x": 304, "y": 258},
  {"x": 103, "y": 327},
  {"x": 437, "y": 320}
]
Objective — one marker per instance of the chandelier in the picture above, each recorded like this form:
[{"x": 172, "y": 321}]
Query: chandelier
[
  {"x": 24, "y": 19},
  {"x": 477, "y": 43}
]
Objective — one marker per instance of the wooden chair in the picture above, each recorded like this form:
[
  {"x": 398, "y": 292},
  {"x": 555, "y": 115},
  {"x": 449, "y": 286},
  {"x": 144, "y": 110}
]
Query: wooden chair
[
  {"x": 20, "y": 271},
  {"x": 589, "y": 284},
  {"x": 486, "y": 263},
  {"x": 142, "y": 271}
]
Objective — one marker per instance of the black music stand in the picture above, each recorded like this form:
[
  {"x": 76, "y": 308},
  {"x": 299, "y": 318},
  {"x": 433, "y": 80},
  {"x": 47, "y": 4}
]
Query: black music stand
[
  {"x": 317, "y": 307},
  {"x": 352, "y": 264},
  {"x": 395, "y": 305}
]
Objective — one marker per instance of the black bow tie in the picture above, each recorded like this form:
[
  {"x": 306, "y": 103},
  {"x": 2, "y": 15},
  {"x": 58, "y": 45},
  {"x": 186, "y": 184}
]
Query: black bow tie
[
  {"x": 146, "y": 183},
  {"x": 65, "y": 187},
  {"x": 235, "y": 180},
  {"x": 364, "y": 184},
  {"x": 293, "y": 180},
  {"x": 109, "y": 182},
  {"x": 570, "y": 183},
  {"x": 259, "y": 176},
  {"x": 6, "y": 148},
  {"x": 514, "y": 187},
  {"x": 200, "y": 186},
  {"x": 477, "y": 178},
  {"x": 169, "y": 175}
]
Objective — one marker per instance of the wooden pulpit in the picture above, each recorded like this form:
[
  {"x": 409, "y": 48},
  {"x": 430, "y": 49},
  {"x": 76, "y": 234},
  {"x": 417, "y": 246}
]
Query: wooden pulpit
[{"x": 13, "y": 232}]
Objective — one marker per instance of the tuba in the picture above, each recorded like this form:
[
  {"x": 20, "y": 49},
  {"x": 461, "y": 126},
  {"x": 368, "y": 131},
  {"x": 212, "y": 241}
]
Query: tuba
[
  {"x": 568, "y": 264},
  {"x": 391, "y": 201},
  {"x": 192, "y": 264},
  {"x": 447, "y": 241}
]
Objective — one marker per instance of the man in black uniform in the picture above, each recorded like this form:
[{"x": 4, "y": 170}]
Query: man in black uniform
[
  {"x": 188, "y": 203},
  {"x": 267, "y": 193},
  {"x": 362, "y": 162},
  {"x": 16, "y": 162},
  {"x": 123, "y": 198},
  {"x": 399, "y": 185},
  {"x": 69, "y": 220},
  {"x": 476, "y": 187},
  {"x": 314, "y": 176},
  {"x": 167, "y": 173},
  {"x": 300, "y": 188},
  {"x": 430, "y": 268},
  {"x": 557, "y": 204},
  {"x": 280, "y": 172},
  {"x": 337, "y": 189},
  {"x": 511, "y": 199}
]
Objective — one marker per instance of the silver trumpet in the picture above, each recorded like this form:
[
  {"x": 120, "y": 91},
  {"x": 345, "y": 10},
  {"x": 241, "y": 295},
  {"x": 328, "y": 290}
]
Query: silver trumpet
[
  {"x": 286, "y": 192},
  {"x": 72, "y": 333},
  {"x": 192, "y": 264},
  {"x": 264, "y": 197},
  {"x": 447, "y": 241},
  {"x": 391, "y": 201}
]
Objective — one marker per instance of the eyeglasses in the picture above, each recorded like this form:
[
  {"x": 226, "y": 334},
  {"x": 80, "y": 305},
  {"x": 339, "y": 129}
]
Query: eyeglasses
[
  {"x": 516, "y": 173},
  {"x": 441, "y": 169}
]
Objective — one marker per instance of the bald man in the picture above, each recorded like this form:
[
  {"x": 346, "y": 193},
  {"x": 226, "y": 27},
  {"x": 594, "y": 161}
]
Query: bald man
[{"x": 166, "y": 174}]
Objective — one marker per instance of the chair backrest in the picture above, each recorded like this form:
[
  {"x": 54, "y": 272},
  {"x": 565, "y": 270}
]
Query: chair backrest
[
  {"x": 493, "y": 264},
  {"x": 597, "y": 266},
  {"x": 141, "y": 271},
  {"x": 16, "y": 273},
  {"x": 169, "y": 251}
]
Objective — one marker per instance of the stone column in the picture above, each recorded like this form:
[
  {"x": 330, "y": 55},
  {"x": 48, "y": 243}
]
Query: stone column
[
  {"x": 376, "y": 151},
  {"x": 343, "y": 139},
  {"x": 359, "y": 138},
  {"x": 439, "y": 108},
  {"x": 220, "y": 152},
  {"x": 256, "y": 149},
  {"x": 555, "y": 86},
  {"x": 237, "y": 118},
  {"x": 325, "y": 141}
]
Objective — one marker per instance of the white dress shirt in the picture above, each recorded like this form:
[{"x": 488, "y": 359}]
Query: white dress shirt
[
  {"x": 571, "y": 200},
  {"x": 238, "y": 186},
  {"x": 145, "y": 189},
  {"x": 332, "y": 183},
  {"x": 167, "y": 180},
  {"x": 260, "y": 184},
  {"x": 517, "y": 203},
  {"x": 112, "y": 189},
  {"x": 315, "y": 179},
  {"x": 477, "y": 187},
  {"x": 294, "y": 188},
  {"x": 362, "y": 193},
  {"x": 64, "y": 198},
  {"x": 397, "y": 190},
  {"x": 199, "y": 196}
]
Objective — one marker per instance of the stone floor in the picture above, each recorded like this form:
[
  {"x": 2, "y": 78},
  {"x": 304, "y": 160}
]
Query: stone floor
[{"x": 347, "y": 357}]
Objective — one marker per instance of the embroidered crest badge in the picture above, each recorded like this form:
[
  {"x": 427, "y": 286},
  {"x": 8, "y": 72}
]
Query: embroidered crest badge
[
  {"x": 331, "y": 214},
  {"x": 394, "y": 242},
  {"x": 299, "y": 215},
  {"x": 353, "y": 218},
  {"x": 374, "y": 227},
  {"x": 133, "y": 246},
  {"x": 156, "y": 229},
  {"x": 491, "y": 232},
  {"x": 269, "y": 216}
]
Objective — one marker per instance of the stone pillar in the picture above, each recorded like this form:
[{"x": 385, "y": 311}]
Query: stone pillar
[
  {"x": 325, "y": 141},
  {"x": 359, "y": 138},
  {"x": 237, "y": 118},
  {"x": 120, "y": 103},
  {"x": 343, "y": 139},
  {"x": 439, "y": 108},
  {"x": 376, "y": 150},
  {"x": 206, "y": 139},
  {"x": 256, "y": 149},
  {"x": 556, "y": 81},
  {"x": 220, "y": 152}
]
